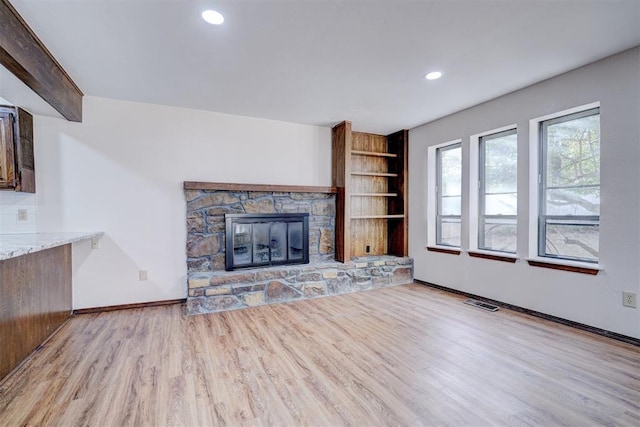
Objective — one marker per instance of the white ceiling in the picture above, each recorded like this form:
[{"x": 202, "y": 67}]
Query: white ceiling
[{"x": 320, "y": 62}]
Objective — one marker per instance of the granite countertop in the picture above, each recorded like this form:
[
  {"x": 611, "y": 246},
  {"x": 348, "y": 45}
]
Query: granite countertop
[{"x": 14, "y": 245}]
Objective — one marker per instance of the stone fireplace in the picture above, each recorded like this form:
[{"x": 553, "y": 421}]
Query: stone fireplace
[{"x": 211, "y": 207}]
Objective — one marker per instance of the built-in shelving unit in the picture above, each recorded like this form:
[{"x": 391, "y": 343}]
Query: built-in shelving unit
[{"x": 369, "y": 173}]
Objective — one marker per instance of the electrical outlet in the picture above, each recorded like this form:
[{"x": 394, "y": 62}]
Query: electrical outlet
[
  {"x": 629, "y": 299},
  {"x": 143, "y": 275},
  {"x": 367, "y": 248},
  {"x": 23, "y": 215},
  {"x": 95, "y": 243}
]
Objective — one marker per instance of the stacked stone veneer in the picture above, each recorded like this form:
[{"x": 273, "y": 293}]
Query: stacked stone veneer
[
  {"x": 220, "y": 291},
  {"x": 206, "y": 226},
  {"x": 211, "y": 288}
]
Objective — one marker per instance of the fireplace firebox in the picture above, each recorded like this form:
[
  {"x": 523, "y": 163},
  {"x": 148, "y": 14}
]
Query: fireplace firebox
[{"x": 258, "y": 240}]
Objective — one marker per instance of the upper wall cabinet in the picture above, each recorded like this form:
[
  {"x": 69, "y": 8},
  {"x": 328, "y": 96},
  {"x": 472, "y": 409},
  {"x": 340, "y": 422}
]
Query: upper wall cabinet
[
  {"x": 16, "y": 150},
  {"x": 370, "y": 174}
]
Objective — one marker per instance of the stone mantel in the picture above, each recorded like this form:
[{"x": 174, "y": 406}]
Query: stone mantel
[{"x": 225, "y": 186}]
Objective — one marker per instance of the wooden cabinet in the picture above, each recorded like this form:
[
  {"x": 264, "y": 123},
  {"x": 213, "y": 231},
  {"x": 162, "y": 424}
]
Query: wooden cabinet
[
  {"x": 16, "y": 150},
  {"x": 35, "y": 300},
  {"x": 370, "y": 174}
]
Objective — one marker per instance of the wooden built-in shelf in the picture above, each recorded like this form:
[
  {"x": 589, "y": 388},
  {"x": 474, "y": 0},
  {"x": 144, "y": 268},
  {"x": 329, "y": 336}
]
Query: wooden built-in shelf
[
  {"x": 373, "y": 153},
  {"x": 374, "y": 194},
  {"x": 386, "y": 174},
  {"x": 370, "y": 175},
  {"x": 378, "y": 217}
]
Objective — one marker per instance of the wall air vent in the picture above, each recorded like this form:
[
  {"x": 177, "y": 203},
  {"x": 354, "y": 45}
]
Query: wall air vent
[{"x": 482, "y": 305}]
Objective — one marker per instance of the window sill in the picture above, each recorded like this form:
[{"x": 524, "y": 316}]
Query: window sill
[
  {"x": 572, "y": 266},
  {"x": 496, "y": 256},
  {"x": 444, "y": 250}
]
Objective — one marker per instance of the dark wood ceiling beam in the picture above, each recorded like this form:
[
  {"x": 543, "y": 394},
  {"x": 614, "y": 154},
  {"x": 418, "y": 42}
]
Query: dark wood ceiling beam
[{"x": 22, "y": 53}]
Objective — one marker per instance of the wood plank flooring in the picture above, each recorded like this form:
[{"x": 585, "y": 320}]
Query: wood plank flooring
[{"x": 407, "y": 355}]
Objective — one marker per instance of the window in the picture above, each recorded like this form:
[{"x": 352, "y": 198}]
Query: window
[
  {"x": 449, "y": 194},
  {"x": 498, "y": 191},
  {"x": 569, "y": 206}
]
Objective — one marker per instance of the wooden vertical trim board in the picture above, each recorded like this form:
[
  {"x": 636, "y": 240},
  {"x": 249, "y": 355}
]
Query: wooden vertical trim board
[
  {"x": 341, "y": 167},
  {"x": 348, "y": 142},
  {"x": 398, "y": 143},
  {"x": 24, "y": 152},
  {"x": 22, "y": 53}
]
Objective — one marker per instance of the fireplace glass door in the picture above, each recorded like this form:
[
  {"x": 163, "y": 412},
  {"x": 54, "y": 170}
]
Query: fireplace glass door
[
  {"x": 243, "y": 244},
  {"x": 261, "y": 240},
  {"x": 296, "y": 241}
]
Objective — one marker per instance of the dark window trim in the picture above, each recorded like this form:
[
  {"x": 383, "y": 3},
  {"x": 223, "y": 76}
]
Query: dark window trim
[
  {"x": 564, "y": 267},
  {"x": 495, "y": 257},
  {"x": 443, "y": 250}
]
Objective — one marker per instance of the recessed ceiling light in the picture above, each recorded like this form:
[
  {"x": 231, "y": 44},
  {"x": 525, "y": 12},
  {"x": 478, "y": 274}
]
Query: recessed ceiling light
[
  {"x": 433, "y": 75},
  {"x": 213, "y": 17}
]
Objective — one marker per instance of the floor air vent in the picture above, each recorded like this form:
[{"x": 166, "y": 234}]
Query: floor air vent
[{"x": 482, "y": 305}]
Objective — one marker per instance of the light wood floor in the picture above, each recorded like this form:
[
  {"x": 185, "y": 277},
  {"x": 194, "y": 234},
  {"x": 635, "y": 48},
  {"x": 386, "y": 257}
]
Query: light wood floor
[{"x": 407, "y": 355}]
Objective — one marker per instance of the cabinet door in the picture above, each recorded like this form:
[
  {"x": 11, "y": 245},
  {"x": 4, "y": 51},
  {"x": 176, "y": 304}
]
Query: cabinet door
[
  {"x": 7, "y": 158},
  {"x": 25, "y": 172}
]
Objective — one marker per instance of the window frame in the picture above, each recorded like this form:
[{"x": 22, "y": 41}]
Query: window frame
[
  {"x": 481, "y": 195},
  {"x": 571, "y": 220},
  {"x": 431, "y": 198},
  {"x": 438, "y": 186}
]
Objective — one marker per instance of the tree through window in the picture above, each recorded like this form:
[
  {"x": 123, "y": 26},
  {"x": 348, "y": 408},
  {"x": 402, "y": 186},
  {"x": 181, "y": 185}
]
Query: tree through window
[{"x": 569, "y": 219}]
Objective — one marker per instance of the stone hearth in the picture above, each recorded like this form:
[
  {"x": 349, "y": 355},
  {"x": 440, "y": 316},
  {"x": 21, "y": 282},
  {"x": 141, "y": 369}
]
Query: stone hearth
[
  {"x": 220, "y": 291},
  {"x": 212, "y": 289}
]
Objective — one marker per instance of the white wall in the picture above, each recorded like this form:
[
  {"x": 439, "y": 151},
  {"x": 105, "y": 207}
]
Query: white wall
[
  {"x": 10, "y": 202},
  {"x": 121, "y": 172},
  {"x": 592, "y": 300}
]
